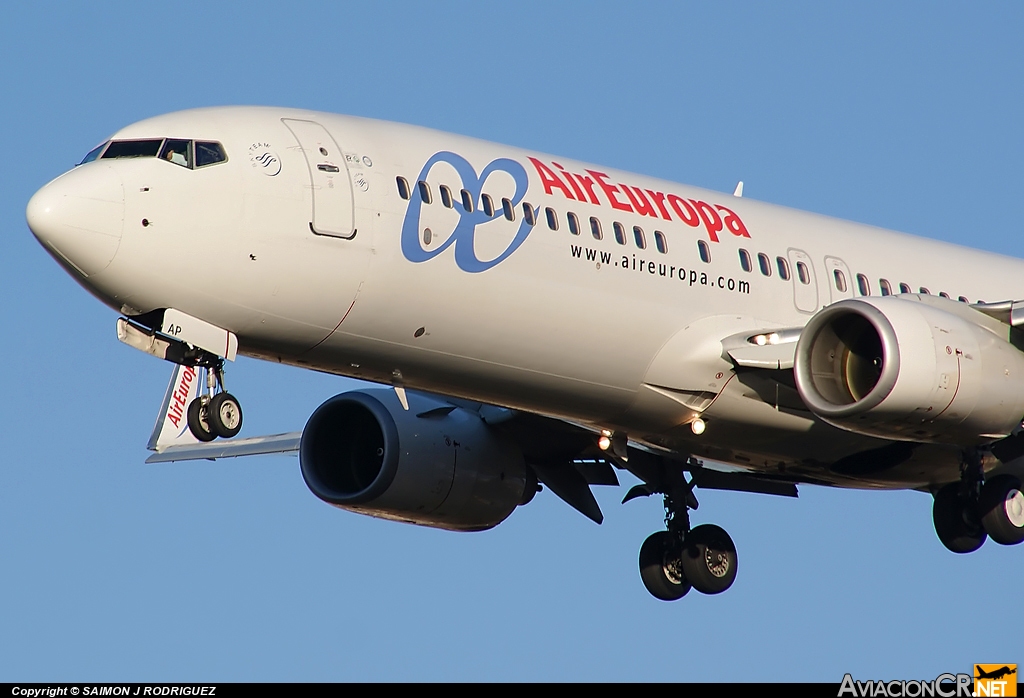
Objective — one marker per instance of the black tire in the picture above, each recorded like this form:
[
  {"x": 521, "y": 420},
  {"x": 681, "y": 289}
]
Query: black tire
[
  {"x": 709, "y": 559},
  {"x": 955, "y": 523},
  {"x": 198, "y": 423},
  {"x": 225, "y": 415},
  {"x": 660, "y": 568},
  {"x": 1001, "y": 509}
]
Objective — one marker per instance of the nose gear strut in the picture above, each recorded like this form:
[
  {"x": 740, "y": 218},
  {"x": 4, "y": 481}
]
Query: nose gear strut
[{"x": 215, "y": 412}]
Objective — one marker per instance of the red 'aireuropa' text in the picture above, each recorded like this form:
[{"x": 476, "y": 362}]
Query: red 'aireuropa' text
[
  {"x": 645, "y": 202},
  {"x": 176, "y": 409}
]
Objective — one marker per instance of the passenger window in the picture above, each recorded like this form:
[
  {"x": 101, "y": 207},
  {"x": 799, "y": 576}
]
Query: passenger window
[
  {"x": 745, "y": 260},
  {"x": 446, "y": 196},
  {"x": 467, "y": 201},
  {"x": 803, "y": 273},
  {"x": 963, "y": 299},
  {"x": 620, "y": 233},
  {"x": 840, "y": 278},
  {"x": 209, "y": 153},
  {"x": 905, "y": 288},
  {"x": 943, "y": 294},
  {"x": 574, "y": 223},
  {"x": 506, "y": 208},
  {"x": 862, "y": 285},
  {"x": 487, "y": 205},
  {"x": 595, "y": 228},
  {"x": 705, "y": 251},
  {"x": 783, "y": 266},
  {"x": 403, "y": 188},
  {"x": 529, "y": 214},
  {"x": 886, "y": 288},
  {"x": 925, "y": 291},
  {"x": 552, "y": 217},
  {"x": 764, "y": 263},
  {"x": 638, "y": 237},
  {"x": 425, "y": 192},
  {"x": 660, "y": 242},
  {"x": 133, "y": 149}
]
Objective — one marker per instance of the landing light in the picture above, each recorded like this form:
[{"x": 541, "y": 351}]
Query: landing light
[
  {"x": 698, "y": 426},
  {"x": 604, "y": 443},
  {"x": 763, "y": 339}
]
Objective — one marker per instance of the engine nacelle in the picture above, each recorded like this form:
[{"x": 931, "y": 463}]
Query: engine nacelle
[
  {"x": 434, "y": 464},
  {"x": 914, "y": 368}
]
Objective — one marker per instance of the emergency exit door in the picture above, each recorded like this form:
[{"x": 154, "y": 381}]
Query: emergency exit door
[
  {"x": 840, "y": 282},
  {"x": 805, "y": 284}
]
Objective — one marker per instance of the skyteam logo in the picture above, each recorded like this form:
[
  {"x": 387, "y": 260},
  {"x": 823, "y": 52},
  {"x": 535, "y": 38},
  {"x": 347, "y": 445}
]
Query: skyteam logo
[{"x": 463, "y": 237}]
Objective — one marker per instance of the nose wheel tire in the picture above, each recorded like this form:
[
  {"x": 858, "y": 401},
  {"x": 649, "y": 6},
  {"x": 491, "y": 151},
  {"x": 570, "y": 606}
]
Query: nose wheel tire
[
  {"x": 660, "y": 567},
  {"x": 954, "y": 520},
  {"x": 198, "y": 422},
  {"x": 1001, "y": 508},
  {"x": 709, "y": 559},
  {"x": 224, "y": 415}
]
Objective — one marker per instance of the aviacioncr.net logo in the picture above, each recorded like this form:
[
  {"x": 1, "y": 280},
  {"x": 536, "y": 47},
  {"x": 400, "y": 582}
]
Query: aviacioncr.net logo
[{"x": 463, "y": 237}]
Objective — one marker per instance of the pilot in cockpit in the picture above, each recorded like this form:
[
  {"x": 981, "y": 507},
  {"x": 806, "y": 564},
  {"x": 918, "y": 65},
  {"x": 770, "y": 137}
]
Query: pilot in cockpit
[
  {"x": 178, "y": 151},
  {"x": 177, "y": 158}
]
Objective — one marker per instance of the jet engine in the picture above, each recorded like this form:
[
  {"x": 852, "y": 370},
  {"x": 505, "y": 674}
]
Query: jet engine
[
  {"x": 913, "y": 368},
  {"x": 433, "y": 464}
]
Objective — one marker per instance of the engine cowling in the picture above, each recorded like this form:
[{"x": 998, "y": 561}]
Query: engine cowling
[
  {"x": 913, "y": 368},
  {"x": 435, "y": 464}
]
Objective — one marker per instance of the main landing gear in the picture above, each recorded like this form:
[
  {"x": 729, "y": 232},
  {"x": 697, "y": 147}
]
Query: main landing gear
[
  {"x": 967, "y": 512},
  {"x": 680, "y": 558},
  {"x": 214, "y": 412}
]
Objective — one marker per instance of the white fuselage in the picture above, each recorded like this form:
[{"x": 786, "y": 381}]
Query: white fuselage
[{"x": 602, "y": 332}]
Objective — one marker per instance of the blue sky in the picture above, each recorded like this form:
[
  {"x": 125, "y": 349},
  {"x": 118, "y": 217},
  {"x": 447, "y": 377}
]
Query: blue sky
[{"x": 902, "y": 115}]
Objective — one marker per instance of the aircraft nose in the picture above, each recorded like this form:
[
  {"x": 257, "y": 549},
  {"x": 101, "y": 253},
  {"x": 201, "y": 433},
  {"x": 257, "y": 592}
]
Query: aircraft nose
[{"x": 79, "y": 216}]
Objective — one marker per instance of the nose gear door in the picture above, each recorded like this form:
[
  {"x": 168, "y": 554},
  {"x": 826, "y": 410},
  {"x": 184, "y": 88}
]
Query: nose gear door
[{"x": 332, "y": 213}]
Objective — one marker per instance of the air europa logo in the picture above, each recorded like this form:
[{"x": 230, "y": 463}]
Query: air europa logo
[
  {"x": 463, "y": 237},
  {"x": 179, "y": 399},
  {"x": 644, "y": 202}
]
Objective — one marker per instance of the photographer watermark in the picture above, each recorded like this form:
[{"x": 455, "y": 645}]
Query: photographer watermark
[{"x": 989, "y": 680}]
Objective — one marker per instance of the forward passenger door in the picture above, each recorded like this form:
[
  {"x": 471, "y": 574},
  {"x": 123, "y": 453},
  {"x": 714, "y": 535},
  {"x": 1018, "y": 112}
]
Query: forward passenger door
[{"x": 333, "y": 213}]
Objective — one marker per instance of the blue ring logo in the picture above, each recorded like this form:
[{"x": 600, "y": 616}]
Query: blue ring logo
[{"x": 464, "y": 235}]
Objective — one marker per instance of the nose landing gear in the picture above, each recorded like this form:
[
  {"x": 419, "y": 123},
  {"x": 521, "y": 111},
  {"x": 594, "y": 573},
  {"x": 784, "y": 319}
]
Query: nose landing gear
[{"x": 214, "y": 412}]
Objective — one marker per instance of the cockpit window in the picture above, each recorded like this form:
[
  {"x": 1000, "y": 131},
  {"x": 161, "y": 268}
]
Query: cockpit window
[
  {"x": 180, "y": 151},
  {"x": 177, "y": 151},
  {"x": 209, "y": 153},
  {"x": 133, "y": 149},
  {"x": 94, "y": 153}
]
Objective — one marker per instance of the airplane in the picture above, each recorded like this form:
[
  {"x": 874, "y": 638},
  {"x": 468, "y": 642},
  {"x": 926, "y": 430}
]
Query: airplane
[
  {"x": 535, "y": 321},
  {"x": 995, "y": 674}
]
